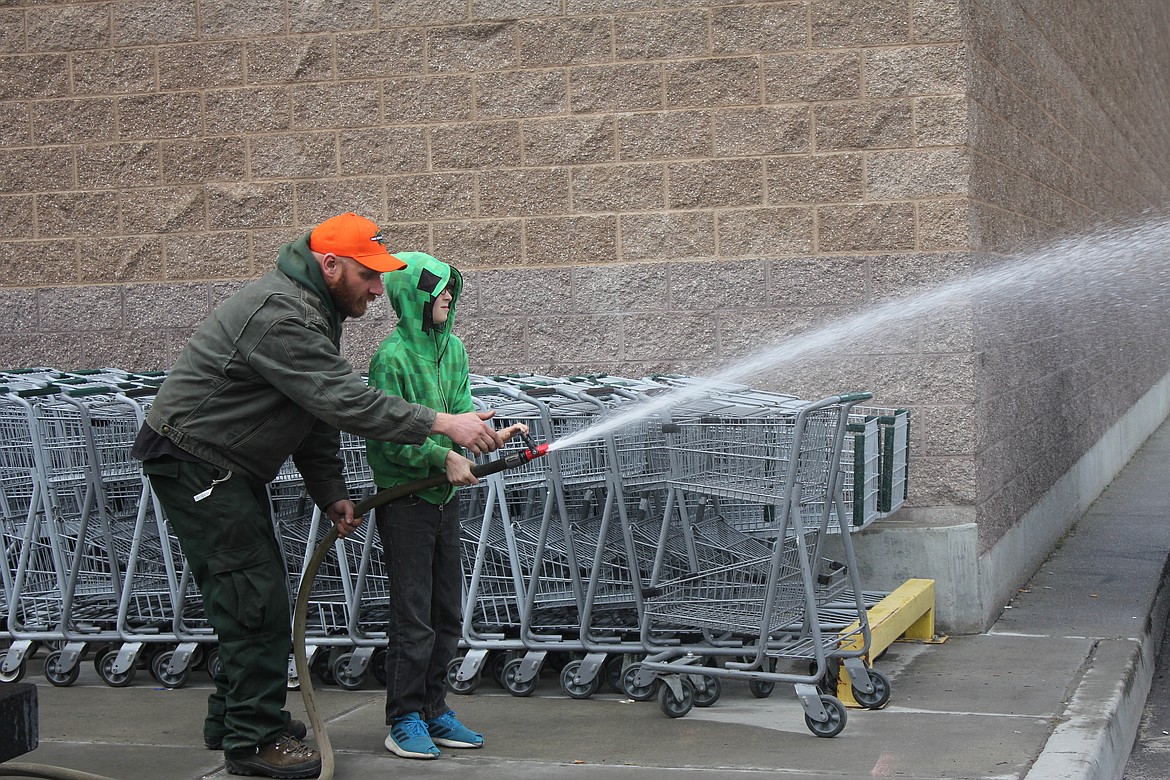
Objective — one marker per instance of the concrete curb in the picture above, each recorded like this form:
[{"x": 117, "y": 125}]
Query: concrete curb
[{"x": 1103, "y": 715}]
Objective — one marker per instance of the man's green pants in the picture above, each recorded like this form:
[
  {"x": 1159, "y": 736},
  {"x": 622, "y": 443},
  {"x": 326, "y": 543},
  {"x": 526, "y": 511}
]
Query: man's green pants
[{"x": 229, "y": 543}]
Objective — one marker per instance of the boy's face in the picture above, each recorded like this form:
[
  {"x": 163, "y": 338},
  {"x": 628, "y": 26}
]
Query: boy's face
[{"x": 441, "y": 309}]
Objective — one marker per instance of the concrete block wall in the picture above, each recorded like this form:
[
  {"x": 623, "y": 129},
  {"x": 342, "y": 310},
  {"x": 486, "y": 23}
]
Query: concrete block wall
[
  {"x": 629, "y": 186},
  {"x": 1068, "y": 108}
]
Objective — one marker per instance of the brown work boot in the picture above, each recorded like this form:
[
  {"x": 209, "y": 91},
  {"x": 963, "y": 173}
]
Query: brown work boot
[{"x": 287, "y": 757}]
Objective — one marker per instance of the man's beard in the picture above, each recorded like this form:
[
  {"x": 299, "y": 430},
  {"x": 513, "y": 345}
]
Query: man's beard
[{"x": 350, "y": 304}]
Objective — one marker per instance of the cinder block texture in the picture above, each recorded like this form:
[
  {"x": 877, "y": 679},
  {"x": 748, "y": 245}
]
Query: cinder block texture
[{"x": 630, "y": 185}]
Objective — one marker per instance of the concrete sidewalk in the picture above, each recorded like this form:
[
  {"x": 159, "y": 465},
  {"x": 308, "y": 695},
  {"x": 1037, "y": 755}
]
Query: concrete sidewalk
[{"x": 1054, "y": 690}]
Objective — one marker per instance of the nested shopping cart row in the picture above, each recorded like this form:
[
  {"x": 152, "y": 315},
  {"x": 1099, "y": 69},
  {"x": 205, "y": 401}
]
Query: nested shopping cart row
[
  {"x": 687, "y": 540},
  {"x": 89, "y": 565},
  {"x": 673, "y": 538}
]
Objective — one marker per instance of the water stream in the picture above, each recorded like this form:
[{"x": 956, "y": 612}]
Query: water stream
[{"x": 1098, "y": 275}]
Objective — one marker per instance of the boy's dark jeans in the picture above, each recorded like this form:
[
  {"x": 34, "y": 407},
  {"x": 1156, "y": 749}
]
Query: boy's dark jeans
[{"x": 420, "y": 544}]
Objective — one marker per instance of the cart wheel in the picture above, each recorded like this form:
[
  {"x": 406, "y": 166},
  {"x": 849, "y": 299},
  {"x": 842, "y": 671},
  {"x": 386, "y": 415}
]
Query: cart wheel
[
  {"x": 111, "y": 678},
  {"x": 828, "y": 682},
  {"x": 15, "y": 675},
  {"x": 879, "y": 697},
  {"x": 761, "y": 689},
  {"x": 198, "y": 657},
  {"x": 709, "y": 693},
  {"x": 212, "y": 664},
  {"x": 56, "y": 675},
  {"x": 322, "y": 667},
  {"x": 672, "y": 706},
  {"x": 837, "y": 716},
  {"x": 158, "y": 670},
  {"x": 342, "y": 676},
  {"x": 612, "y": 672},
  {"x": 98, "y": 654},
  {"x": 498, "y": 660},
  {"x": 637, "y": 692},
  {"x": 454, "y": 684},
  {"x": 378, "y": 663},
  {"x": 515, "y": 686},
  {"x": 577, "y": 690}
]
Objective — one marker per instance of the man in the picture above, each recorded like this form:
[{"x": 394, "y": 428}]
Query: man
[{"x": 263, "y": 379}]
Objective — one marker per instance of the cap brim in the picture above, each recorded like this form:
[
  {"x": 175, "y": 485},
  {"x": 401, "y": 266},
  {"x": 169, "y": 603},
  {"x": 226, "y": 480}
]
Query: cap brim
[{"x": 382, "y": 263}]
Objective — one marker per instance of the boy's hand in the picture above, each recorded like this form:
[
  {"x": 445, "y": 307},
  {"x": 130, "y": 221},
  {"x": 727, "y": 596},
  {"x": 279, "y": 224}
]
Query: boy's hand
[
  {"x": 513, "y": 430},
  {"x": 459, "y": 469}
]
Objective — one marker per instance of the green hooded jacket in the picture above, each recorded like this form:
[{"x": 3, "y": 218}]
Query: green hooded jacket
[{"x": 423, "y": 363}]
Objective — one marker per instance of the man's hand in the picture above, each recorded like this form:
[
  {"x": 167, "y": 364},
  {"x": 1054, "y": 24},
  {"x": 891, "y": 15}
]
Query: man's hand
[
  {"x": 341, "y": 513},
  {"x": 469, "y": 430},
  {"x": 459, "y": 469}
]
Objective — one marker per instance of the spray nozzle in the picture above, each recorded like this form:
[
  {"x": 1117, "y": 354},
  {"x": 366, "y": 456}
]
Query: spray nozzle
[{"x": 534, "y": 450}]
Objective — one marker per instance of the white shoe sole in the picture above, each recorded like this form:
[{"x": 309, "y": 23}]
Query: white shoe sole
[
  {"x": 454, "y": 744},
  {"x": 397, "y": 750}
]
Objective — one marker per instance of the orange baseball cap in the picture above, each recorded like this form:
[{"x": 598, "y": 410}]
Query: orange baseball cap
[{"x": 350, "y": 235}]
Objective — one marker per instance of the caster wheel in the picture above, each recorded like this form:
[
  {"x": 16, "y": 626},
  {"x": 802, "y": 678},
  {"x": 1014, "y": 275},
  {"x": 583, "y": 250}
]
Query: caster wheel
[
  {"x": 198, "y": 657},
  {"x": 212, "y": 664},
  {"x": 158, "y": 669},
  {"x": 322, "y": 667},
  {"x": 673, "y": 706},
  {"x": 761, "y": 689},
  {"x": 708, "y": 691},
  {"x": 574, "y": 689},
  {"x": 14, "y": 675},
  {"x": 612, "y": 672},
  {"x": 56, "y": 675},
  {"x": 836, "y": 722},
  {"x": 454, "y": 684},
  {"x": 378, "y": 664},
  {"x": 514, "y": 686},
  {"x": 634, "y": 691},
  {"x": 342, "y": 676},
  {"x": 879, "y": 697},
  {"x": 111, "y": 678},
  {"x": 497, "y": 663}
]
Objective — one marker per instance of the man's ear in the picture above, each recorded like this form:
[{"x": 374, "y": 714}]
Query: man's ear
[{"x": 330, "y": 266}]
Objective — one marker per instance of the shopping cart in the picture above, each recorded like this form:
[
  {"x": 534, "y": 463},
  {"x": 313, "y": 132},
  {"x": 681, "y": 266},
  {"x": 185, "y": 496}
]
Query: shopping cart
[{"x": 758, "y": 612}]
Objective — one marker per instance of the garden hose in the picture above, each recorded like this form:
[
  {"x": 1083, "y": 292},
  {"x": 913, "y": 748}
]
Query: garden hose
[{"x": 300, "y": 612}]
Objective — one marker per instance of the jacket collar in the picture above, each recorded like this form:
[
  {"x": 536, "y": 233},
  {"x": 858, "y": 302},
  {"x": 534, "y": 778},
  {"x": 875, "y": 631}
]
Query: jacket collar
[{"x": 296, "y": 261}]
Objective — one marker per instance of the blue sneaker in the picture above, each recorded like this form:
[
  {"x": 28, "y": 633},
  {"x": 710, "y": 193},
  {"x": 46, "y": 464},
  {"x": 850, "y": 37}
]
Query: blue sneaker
[
  {"x": 446, "y": 730},
  {"x": 409, "y": 738}
]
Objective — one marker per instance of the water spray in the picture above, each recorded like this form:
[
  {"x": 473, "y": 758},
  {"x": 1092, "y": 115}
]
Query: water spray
[{"x": 1079, "y": 265}]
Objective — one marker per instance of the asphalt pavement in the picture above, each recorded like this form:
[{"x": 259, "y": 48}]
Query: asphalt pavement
[{"x": 1055, "y": 689}]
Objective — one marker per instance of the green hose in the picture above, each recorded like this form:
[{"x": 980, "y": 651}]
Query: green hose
[{"x": 301, "y": 610}]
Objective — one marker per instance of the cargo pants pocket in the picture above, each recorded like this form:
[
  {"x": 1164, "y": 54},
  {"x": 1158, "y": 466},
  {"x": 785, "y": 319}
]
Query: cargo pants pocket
[{"x": 248, "y": 595}]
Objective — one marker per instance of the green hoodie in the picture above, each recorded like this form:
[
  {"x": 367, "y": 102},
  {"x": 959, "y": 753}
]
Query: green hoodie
[{"x": 423, "y": 363}]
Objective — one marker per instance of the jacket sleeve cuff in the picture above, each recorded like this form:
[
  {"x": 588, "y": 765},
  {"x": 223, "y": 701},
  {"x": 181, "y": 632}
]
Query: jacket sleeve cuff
[
  {"x": 436, "y": 455},
  {"x": 327, "y": 494}
]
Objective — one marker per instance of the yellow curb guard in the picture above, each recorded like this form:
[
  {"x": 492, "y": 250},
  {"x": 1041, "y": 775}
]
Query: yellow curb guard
[{"x": 907, "y": 613}]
